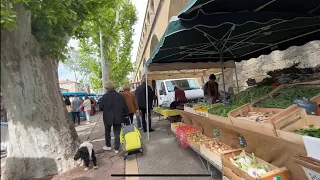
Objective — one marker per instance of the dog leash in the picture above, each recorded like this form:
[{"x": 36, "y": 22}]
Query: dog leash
[{"x": 94, "y": 127}]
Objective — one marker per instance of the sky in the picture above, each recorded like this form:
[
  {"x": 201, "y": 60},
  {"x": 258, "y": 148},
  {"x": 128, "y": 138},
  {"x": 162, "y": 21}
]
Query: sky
[{"x": 140, "y": 5}]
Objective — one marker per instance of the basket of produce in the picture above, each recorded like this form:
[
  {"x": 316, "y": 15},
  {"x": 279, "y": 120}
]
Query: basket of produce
[
  {"x": 213, "y": 149},
  {"x": 296, "y": 124},
  {"x": 242, "y": 165},
  {"x": 189, "y": 108},
  {"x": 202, "y": 109},
  {"x": 175, "y": 125},
  {"x": 257, "y": 119},
  {"x": 194, "y": 139},
  {"x": 181, "y": 134}
]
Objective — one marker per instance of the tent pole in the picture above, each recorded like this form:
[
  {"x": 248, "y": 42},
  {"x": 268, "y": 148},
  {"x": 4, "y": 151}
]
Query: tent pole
[
  {"x": 235, "y": 71},
  {"x": 147, "y": 103},
  {"x": 222, "y": 71}
]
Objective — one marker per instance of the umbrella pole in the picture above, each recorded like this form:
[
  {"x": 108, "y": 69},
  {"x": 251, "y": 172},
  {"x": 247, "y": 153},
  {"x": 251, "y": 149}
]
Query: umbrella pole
[
  {"x": 222, "y": 71},
  {"x": 147, "y": 103},
  {"x": 235, "y": 71}
]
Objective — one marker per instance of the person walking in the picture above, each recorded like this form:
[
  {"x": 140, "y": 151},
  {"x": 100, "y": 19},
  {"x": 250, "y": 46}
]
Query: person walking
[
  {"x": 154, "y": 88},
  {"x": 141, "y": 99},
  {"x": 75, "y": 106},
  {"x": 87, "y": 108},
  {"x": 114, "y": 109},
  {"x": 67, "y": 101},
  {"x": 131, "y": 101}
]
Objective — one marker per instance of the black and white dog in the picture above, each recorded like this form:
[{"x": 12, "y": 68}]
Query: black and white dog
[{"x": 86, "y": 154}]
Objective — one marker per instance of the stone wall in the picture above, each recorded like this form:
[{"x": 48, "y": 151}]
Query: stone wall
[{"x": 257, "y": 68}]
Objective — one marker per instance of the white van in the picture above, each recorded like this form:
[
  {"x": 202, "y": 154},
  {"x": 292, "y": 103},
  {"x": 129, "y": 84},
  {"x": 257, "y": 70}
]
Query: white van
[{"x": 165, "y": 90}]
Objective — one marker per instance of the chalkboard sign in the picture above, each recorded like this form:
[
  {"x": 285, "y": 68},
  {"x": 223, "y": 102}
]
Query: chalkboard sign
[
  {"x": 242, "y": 141},
  {"x": 216, "y": 132}
]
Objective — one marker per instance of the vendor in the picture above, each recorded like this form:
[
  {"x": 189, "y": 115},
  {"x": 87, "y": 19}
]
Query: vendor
[
  {"x": 210, "y": 90},
  {"x": 180, "y": 95}
]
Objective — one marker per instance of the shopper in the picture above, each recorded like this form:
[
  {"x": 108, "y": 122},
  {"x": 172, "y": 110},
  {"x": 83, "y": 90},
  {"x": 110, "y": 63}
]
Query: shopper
[
  {"x": 141, "y": 98},
  {"x": 67, "y": 101},
  {"x": 75, "y": 105},
  {"x": 114, "y": 109},
  {"x": 131, "y": 101},
  {"x": 180, "y": 95},
  {"x": 154, "y": 88},
  {"x": 211, "y": 90},
  {"x": 87, "y": 108}
]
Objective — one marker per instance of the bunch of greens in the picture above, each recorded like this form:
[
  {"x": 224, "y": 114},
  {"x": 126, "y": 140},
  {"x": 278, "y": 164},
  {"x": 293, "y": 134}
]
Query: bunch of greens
[
  {"x": 285, "y": 97},
  {"x": 240, "y": 99},
  {"x": 310, "y": 131}
]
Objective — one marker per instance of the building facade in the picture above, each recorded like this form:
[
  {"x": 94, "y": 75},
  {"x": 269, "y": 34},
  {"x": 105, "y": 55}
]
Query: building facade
[
  {"x": 70, "y": 86},
  {"x": 157, "y": 17}
]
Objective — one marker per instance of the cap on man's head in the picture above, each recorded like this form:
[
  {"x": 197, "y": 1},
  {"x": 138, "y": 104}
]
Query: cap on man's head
[{"x": 110, "y": 86}]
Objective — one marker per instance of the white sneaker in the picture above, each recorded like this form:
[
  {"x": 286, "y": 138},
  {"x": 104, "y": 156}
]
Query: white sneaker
[
  {"x": 116, "y": 151},
  {"x": 139, "y": 127},
  {"x": 106, "y": 148}
]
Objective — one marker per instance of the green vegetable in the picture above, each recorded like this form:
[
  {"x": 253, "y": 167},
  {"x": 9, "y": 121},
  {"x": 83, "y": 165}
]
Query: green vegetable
[
  {"x": 310, "y": 131},
  {"x": 285, "y": 97},
  {"x": 240, "y": 99}
]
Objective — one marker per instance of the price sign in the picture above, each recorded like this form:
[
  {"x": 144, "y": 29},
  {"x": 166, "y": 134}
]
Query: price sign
[
  {"x": 216, "y": 132},
  {"x": 242, "y": 141}
]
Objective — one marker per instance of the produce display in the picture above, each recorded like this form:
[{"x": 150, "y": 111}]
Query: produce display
[
  {"x": 285, "y": 97},
  {"x": 256, "y": 116},
  {"x": 310, "y": 131},
  {"x": 205, "y": 107},
  {"x": 182, "y": 132},
  {"x": 198, "y": 137},
  {"x": 240, "y": 99},
  {"x": 177, "y": 124},
  {"x": 216, "y": 146},
  {"x": 249, "y": 165}
]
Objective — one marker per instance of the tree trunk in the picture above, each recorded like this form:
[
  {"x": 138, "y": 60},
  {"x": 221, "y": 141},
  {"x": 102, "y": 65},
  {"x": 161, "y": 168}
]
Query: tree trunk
[{"x": 42, "y": 139}]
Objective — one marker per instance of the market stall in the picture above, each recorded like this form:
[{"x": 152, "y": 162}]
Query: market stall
[{"x": 266, "y": 120}]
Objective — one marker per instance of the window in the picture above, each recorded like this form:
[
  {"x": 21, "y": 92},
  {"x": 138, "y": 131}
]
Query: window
[
  {"x": 184, "y": 84},
  {"x": 162, "y": 89}
]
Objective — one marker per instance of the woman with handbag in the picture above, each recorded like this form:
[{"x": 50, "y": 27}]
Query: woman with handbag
[{"x": 131, "y": 101}]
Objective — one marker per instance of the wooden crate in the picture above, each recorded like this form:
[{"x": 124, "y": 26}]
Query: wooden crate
[
  {"x": 194, "y": 144},
  {"x": 175, "y": 125},
  {"x": 316, "y": 99},
  {"x": 220, "y": 119},
  {"x": 215, "y": 158},
  {"x": 266, "y": 128},
  {"x": 297, "y": 119},
  {"x": 234, "y": 173},
  {"x": 189, "y": 109}
]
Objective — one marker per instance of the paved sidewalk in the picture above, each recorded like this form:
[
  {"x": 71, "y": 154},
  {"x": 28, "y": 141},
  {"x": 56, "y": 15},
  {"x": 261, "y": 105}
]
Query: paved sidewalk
[{"x": 108, "y": 162}]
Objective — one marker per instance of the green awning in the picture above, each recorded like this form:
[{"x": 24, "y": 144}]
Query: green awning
[{"x": 236, "y": 30}]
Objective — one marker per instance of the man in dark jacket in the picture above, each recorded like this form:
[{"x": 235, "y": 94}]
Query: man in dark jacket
[
  {"x": 211, "y": 90},
  {"x": 114, "y": 109},
  {"x": 141, "y": 99}
]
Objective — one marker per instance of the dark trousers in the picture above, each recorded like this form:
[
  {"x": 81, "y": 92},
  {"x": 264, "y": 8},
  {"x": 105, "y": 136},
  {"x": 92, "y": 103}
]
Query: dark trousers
[
  {"x": 143, "y": 117},
  {"x": 130, "y": 119},
  {"x": 116, "y": 132},
  {"x": 74, "y": 116}
]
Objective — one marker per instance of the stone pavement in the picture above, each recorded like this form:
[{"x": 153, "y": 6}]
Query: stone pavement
[
  {"x": 164, "y": 156},
  {"x": 108, "y": 162}
]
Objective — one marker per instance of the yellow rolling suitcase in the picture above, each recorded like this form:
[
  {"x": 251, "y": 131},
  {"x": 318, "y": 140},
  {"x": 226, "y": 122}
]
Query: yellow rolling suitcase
[{"x": 131, "y": 141}]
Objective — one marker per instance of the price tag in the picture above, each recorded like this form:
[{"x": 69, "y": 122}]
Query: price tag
[
  {"x": 242, "y": 141},
  {"x": 190, "y": 122},
  {"x": 216, "y": 132}
]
